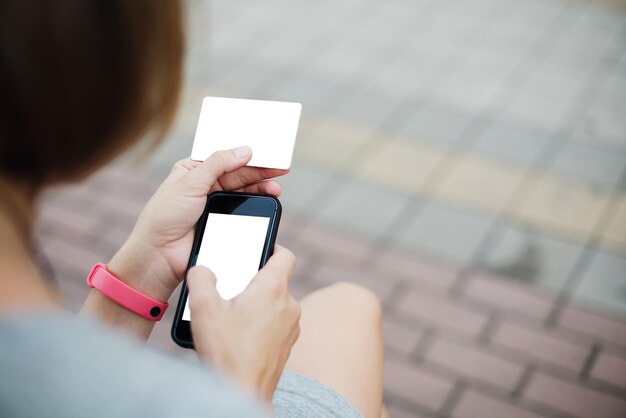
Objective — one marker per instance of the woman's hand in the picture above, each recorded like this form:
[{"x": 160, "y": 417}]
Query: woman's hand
[
  {"x": 154, "y": 258},
  {"x": 249, "y": 337}
]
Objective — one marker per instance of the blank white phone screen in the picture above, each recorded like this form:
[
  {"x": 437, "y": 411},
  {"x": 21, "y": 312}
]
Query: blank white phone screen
[{"x": 232, "y": 246}]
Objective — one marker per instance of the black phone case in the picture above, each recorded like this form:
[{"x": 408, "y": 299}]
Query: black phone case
[{"x": 180, "y": 306}]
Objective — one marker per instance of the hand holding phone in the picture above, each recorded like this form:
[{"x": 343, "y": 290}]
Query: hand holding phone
[
  {"x": 234, "y": 238},
  {"x": 249, "y": 338}
]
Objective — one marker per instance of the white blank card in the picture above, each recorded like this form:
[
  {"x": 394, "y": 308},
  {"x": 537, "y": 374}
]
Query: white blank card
[{"x": 269, "y": 128}]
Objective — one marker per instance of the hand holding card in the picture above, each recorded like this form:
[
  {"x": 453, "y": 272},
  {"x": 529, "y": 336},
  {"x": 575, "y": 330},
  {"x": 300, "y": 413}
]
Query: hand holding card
[{"x": 268, "y": 127}]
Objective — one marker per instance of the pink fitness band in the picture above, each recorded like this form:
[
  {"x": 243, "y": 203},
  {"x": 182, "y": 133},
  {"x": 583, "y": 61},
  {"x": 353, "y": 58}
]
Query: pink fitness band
[{"x": 100, "y": 278}]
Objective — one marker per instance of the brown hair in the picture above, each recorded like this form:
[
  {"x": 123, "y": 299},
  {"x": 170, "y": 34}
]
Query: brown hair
[{"x": 81, "y": 80}]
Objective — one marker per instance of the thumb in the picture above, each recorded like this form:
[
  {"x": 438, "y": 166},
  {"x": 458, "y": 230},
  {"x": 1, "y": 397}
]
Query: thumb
[{"x": 202, "y": 177}]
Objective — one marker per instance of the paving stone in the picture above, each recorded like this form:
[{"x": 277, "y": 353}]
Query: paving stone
[
  {"x": 573, "y": 400},
  {"x": 585, "y": 133},
  {"x": 416, "y": 385},
  {"x": 399, "y": 165},
  {"x": 610, "y": 369},
  {"x": 300, "y": 186},
  {"x": 444, "y": 232},
  {"x": 73, "y": 255},
  {"x": 401, "y": 338},
  {"x": 474, "y": 404},
  {"x": 539, "y": 110},
  {"x": 470, "y": 94},
  {"x": 441, "y": 312},
  {"x": 511, "y": 142},
  {"x": 395, "y": 411},
  {"x": 58, "y": 220},
  {"x": 416, "y": 271},
  {"x": 614, "y": 235},
  {"x": 541, "y": 347},
  {"x": 604, "y": 282},
  {"x": 474, "y": 364},
  {"x": 591, "y": 165},
  {"x": 439, "y": 125},
  {"x": 328, "y": 273},
  {"x": 605, "y": 119},
  {"x": 364, "y": 209},
  {"x": 507, "y": 296},
  {"x": 479, "y": 182},
  {"x": 530, "y": 256},
  {"x": 561, "y": 205},
  {"x": 333, "y": 143},
  {"x": 329, "y": 243},
  {"x": 594, "y": 324},
  {"x": 367, "y": 105}
]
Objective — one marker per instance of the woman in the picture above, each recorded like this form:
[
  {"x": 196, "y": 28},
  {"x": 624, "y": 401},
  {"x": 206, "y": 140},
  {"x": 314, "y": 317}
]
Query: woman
[{"x": 80, "y": 82}]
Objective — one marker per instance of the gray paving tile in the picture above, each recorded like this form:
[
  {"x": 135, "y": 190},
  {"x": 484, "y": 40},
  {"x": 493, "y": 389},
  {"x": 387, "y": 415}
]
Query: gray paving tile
[
  {"x": 405, "y": 76},
  {"x": 302, "y": 183},
  {"x": 242, "y": 77},
  {"x": 606, "y": 120},
  {"x": 308, "y": 89},
  {"x": 615, "y": 85},
  {"x": 362, "y": 208},
  {"x": 367, "y": 105},
  {"x": 545, "y": 111},
  {"x": 604, "y": 283},
  {"x": 592, "y": 165},
  {"x": 434, "y": 124},
  {"x": 448, "y": 233},
  {"x": 585, "y": 133},
  {"x": 530, "y": 256},
  {"x": 551, "y": 82},
  {"x": 505, "y": 140}
]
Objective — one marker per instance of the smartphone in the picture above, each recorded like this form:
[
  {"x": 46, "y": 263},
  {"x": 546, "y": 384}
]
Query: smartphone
[{"x": 234, "y": 238}]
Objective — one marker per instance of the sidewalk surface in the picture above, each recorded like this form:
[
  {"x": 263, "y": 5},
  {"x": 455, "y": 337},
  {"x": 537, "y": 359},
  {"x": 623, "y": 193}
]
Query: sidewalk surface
[{"x": 466, "y": 160}]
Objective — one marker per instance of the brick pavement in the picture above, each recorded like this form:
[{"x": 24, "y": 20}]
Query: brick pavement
[{"x": 459, "y": 343}]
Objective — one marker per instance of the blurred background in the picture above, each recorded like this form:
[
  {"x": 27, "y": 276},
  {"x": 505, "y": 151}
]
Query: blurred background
[{"x": 465, "y": 159}]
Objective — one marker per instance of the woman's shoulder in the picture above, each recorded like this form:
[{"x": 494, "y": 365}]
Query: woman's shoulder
[{"x": 73, "y": 366}]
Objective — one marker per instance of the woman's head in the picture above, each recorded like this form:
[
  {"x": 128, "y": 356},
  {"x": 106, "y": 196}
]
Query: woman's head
[{"x": 82, "y": 80}]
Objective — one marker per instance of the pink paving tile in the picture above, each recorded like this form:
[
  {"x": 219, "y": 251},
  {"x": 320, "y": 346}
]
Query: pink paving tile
[
  {"x": 474, "y": 405},
  {"x": 415, "y": 385},
  {"x": 474, "y": 363},
  {"x": 508, "y": 296},
  {"x": 442, "y": 312},
  {"x": 75, "y": 197},
  {"x": 59, "y": 220},
  {"x": 610, "y": 369},
  {"x": 72, "y": 254},
  {"x": 396, "y": 411},
  {"x": 401, "y": 338},
  {"x": 593, "y": 324},
  {"x": 127, "y": 181},
  {"x": 333, "y": 272},
  {"x": 572, "y": 399},
  {"x": 416, "y": 271},
  {"x": 333, "y": 244},
  {"x": 541, "y": 347}
]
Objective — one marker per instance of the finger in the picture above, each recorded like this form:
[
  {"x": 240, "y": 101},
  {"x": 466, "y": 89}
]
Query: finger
[
  {"x": 268, "y": 187},
  {"x": 203, "y": 296},
  {"x": 281, "y": 264},
  {"x": 248, "y": 175},
  {"x": 203, "y": 301},
  {"x": 203, "y": 176}
]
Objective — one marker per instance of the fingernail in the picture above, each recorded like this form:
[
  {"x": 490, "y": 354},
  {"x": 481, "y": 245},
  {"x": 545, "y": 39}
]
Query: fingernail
[{"x": 242, "y": 152}]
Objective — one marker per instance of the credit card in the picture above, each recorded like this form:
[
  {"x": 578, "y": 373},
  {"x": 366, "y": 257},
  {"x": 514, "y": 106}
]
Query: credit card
[{"x": 268, "y": 127}]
